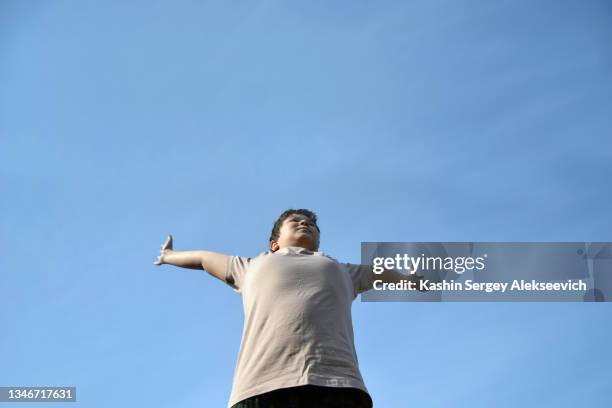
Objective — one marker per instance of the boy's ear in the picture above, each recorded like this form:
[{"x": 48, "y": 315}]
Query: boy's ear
[{"x": 274, "y": 246}]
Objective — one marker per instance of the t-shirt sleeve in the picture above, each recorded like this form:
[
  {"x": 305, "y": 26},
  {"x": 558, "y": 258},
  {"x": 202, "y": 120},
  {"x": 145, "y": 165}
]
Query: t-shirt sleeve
[
  {"x": 362, "y": 277},
  {"x": 237, "y": 267}
]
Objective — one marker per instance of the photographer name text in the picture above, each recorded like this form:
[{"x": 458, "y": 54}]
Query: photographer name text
[{"x": 488, "y": 287}]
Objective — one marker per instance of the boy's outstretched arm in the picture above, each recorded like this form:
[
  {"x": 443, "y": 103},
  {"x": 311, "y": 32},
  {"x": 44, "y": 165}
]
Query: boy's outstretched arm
[
  {"x": 393, "y": 276},
  {"x": 212, "y": 262}
]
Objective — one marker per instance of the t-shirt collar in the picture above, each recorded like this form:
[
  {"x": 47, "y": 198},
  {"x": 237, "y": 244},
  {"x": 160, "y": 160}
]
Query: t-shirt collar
[{"x": 295, "y": 250}]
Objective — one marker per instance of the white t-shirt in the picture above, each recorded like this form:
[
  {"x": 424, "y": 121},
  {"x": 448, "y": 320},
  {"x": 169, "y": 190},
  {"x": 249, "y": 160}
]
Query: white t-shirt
[{"x": 297, "y": 321}]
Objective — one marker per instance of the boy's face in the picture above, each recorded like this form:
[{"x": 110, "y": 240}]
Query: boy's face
[{"x": 297, "y": 230}]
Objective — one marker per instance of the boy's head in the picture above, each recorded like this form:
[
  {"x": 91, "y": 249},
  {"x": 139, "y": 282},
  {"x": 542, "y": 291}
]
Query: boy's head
[{"x": 295, "y": 228}]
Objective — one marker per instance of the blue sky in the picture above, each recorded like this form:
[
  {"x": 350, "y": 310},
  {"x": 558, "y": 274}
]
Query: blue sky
[{"x": 395, "y": 121}]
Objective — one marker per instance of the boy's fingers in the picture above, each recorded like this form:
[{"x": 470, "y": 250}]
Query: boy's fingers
[{"x": 167, "y": 243}]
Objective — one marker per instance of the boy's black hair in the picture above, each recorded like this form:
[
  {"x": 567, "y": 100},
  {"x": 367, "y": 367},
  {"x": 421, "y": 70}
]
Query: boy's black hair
[{"x": 279, "y": 222}]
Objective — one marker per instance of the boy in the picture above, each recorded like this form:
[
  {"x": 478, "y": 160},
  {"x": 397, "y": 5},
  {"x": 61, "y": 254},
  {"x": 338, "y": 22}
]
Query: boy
[{"x": 297, "y": 346}]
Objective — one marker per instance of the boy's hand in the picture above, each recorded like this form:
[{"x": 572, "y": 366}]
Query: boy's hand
[{"x": 165, "y": 249}]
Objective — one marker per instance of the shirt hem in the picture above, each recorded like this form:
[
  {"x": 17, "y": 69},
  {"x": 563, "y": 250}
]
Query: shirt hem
[{"x": 262, "y": 389}]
